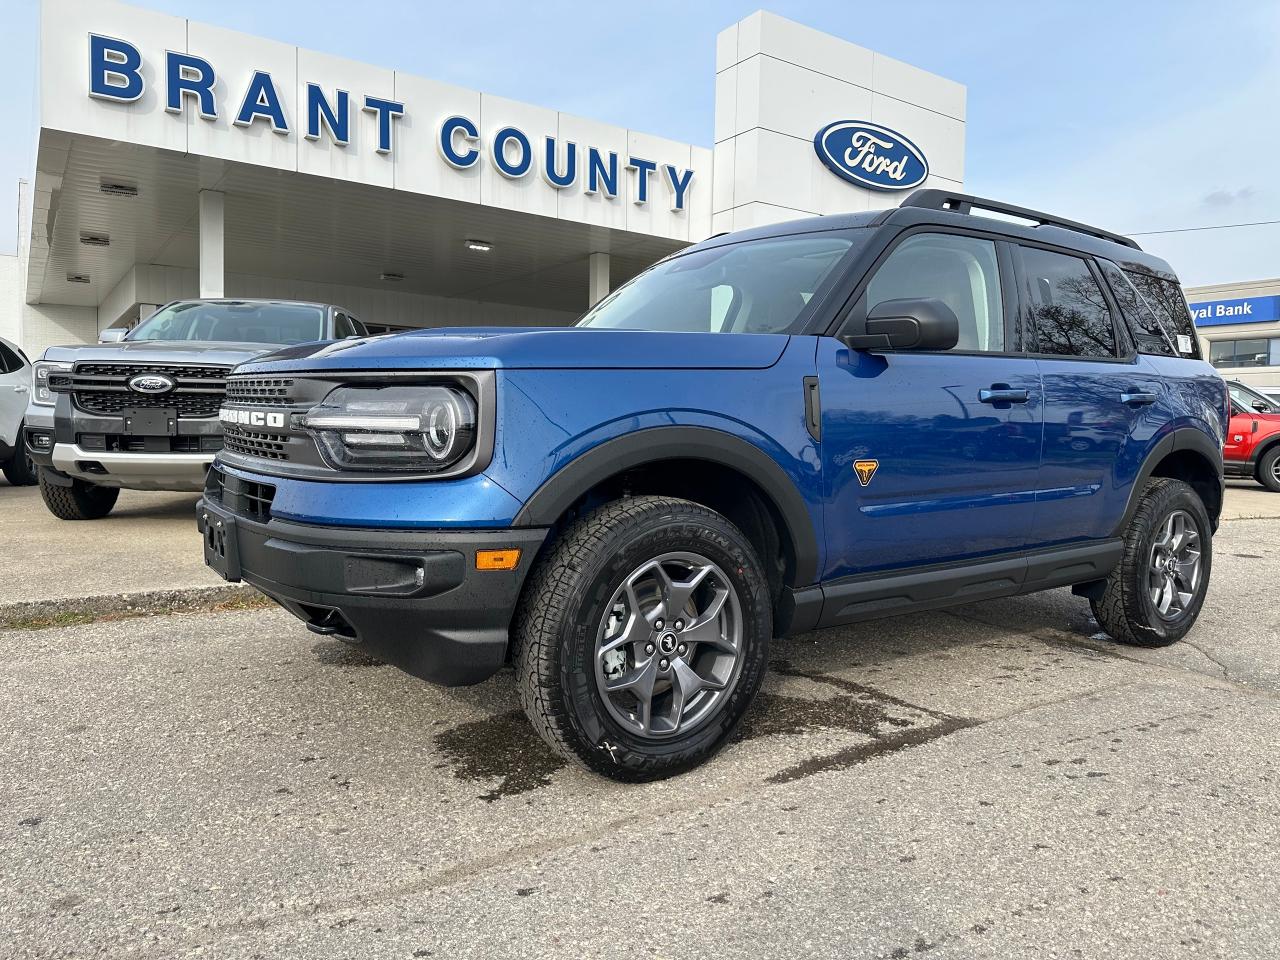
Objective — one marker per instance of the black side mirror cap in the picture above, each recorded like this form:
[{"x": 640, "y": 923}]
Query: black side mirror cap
[{"x": 913, "y": 324}]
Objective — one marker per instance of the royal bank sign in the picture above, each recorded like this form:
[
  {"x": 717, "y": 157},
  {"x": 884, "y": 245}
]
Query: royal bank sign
[{"x": 192, "y": 83}]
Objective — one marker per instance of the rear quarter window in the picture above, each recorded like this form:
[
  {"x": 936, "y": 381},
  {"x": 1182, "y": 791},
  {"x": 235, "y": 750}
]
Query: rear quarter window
[
  {"x": 1165, "y": 299},
  {"x": 1149, "y": 332}
]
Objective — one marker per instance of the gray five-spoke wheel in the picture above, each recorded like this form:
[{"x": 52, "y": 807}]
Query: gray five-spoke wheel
[
  {"x": 1173, "y": 574},
  {"x": 669, "y": 647}
]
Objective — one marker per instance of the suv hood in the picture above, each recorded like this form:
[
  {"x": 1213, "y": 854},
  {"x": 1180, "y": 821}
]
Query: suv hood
[
  {"x": 163, "y": 351},
  {"x": 471, "y": 348}
]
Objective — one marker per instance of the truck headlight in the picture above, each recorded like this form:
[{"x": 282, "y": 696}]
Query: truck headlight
[
  {"x": 40, "y": 370},
  {"x": 405, "y": 428}
]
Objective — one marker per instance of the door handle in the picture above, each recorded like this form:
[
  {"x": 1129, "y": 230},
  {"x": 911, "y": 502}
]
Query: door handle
[
  {"x": 20, "y": 388},
  {"x": 999, "y": 393},
  {"x": 1138, "y": 398}
]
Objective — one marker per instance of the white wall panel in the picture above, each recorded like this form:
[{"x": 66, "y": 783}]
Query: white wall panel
[
  {"x": 528, "y": 193},
  {"x": 656, "y": 216},
  {"x": 419, "y": 168},
  {"x": 359, "y": 160}
]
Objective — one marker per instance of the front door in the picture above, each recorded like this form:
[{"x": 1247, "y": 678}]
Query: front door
[{"x": 930, "y": 457}]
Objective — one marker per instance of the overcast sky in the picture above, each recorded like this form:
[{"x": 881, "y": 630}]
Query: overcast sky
[{"x": 1137, "y": 116}]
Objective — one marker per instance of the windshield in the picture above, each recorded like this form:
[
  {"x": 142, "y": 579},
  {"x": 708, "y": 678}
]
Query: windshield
[
  {"x": 1245, "y": 398},
  {"x": 756, "y": 286},
  {"x": 234, "y": 321}
]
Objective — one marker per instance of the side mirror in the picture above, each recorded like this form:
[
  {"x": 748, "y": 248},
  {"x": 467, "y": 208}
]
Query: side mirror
[
  {"x": 112, "y": 335},
  {"x": 1261, "y": 407},
  {"x": 923, "y": 324}
]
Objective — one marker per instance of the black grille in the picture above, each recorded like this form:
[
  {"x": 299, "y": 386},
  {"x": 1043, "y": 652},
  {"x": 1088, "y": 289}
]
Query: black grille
[
  {"x": 249, "y": 443},
  {"x": 124, "y": 443},
  {"x": 247, "y": 498},
  {"x": 103, "y": 388},
  {"x": 260, "y": 391}
]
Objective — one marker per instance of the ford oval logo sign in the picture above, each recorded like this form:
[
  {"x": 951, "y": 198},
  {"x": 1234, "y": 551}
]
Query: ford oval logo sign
[
  {"x": 871, "y": 155},
  {"x": 152, "y": 383}
]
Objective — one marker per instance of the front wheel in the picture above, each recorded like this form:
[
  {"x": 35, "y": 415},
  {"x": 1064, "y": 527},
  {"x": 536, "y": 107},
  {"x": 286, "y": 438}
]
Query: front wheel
[
  {"x": 19, "y": 469},
  {"x": 1154, "y": 595},
  {"x": 80, "y": 501},
  {"x": 642, "y": 637}
]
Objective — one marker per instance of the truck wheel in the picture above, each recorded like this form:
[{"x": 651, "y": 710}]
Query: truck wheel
[
  {"x": 1269, "y": 470},
  {"x": 80, "y": 501},
  {"x": 19, "y": 470},
  {"x": 642, "y": 637},
  {"x": 1153, "y": 596}
]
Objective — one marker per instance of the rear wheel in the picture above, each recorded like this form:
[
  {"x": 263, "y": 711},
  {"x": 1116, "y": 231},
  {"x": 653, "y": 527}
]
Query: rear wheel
[
  {"x": 642, "y": 637},
  {"x": 1154, "y": 595},
  {"x": 1269, "y": 470},
  {"x": 80, "y": 501}
]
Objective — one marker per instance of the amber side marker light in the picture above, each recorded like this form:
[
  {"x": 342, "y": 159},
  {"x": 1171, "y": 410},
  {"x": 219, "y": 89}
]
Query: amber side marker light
[{"x": 497, "y": 559}]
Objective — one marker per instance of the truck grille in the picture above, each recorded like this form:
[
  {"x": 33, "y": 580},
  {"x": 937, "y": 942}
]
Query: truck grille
[
  {"x": 249, "y": 443},
  {"x": 260, "y": 391},
  {"x": 103, "y": 388}
]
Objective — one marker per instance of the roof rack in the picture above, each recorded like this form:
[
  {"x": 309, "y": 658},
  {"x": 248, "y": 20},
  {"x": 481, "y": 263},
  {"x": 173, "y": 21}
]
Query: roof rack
[{"x": 964, "y": 203}]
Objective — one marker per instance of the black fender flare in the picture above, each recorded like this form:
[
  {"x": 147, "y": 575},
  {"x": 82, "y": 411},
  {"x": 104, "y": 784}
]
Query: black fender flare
[
  {"x": 558, "y": 492},
  {"x": 1183, "y": 438}
]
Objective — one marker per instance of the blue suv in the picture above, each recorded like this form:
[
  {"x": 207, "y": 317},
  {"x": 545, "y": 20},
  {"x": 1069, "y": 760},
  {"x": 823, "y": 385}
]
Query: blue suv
[{"x": 798, "y": 426}]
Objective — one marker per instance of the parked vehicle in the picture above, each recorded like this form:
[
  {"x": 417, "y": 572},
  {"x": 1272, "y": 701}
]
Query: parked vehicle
[
  {"x": 796, "y": 426},
  {"x": 15, "y": 386},
  {"x": 1252, "y": 445},
  {"x": 140, "y": 410}
]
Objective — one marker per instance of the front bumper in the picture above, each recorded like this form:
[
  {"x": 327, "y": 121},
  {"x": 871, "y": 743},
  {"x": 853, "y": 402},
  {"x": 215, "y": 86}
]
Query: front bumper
[
  {"x": 136, "y": 471},
  {"x": 411, "y": 597}
]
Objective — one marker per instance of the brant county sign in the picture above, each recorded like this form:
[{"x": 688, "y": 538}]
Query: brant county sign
[{"x": 870, "y": 155}]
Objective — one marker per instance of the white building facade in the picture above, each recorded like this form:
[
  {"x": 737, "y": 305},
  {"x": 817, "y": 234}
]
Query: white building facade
[{"x": 177, "y": 159}]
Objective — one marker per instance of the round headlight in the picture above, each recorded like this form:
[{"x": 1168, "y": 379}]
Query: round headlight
[{"x": 424, "y": 428}]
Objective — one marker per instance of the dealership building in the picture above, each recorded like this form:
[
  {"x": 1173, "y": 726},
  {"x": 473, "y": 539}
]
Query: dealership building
[
  {"x": 1239, "y": 327},
  {"x": 177, "y": 159}
]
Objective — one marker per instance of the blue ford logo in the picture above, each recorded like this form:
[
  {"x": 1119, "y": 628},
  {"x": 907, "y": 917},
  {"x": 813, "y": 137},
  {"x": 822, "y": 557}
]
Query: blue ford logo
[
  {"x": 871, "y": 155},
  {"x": 151, "y": 383}
]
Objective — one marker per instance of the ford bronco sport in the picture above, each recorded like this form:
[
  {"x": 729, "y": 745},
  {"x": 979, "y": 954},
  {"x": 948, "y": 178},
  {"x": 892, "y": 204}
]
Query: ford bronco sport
[
  {"x": 140, "y": 410},
  {"x": 797, "y": 426}
]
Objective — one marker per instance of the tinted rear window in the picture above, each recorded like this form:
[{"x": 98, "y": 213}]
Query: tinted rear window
[
  {"x": 1148, "y": 331},
  {"x": 1166, "y": 300}
]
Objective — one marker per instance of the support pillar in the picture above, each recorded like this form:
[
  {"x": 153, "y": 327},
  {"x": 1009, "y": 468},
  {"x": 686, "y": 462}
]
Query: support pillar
[
  {"x": 212, "y": 244},
  {"x": 597, "y": 278}
]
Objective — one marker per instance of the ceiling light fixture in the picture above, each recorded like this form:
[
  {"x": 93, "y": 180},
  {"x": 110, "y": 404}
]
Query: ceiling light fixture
[
  {"x": 391, "y": 277},
  {"x": 115, "y": 189},
  {"x": 77, "y": 278},
  {"x": 479, "y": 246},
  {"x": 95, "y": 239}
]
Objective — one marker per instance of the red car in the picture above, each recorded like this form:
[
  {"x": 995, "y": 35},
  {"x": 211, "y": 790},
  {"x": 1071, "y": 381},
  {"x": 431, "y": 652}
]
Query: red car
[{"x": 1252, "y": 445}]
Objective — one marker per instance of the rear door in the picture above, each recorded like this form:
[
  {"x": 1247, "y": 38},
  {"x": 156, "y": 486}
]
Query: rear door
[
  {"x": 931, "y": 457},
  {"x": 1101, "y": 399}
]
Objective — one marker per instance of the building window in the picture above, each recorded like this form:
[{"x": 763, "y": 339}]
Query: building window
[{"x": 1245, "y": 353}]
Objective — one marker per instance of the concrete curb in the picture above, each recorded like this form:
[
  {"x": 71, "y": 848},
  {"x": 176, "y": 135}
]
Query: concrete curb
[{"x": 36, "y": 614}]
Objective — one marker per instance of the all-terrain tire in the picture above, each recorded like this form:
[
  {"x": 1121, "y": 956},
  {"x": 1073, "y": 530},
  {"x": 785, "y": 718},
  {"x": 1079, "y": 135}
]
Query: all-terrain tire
[
  {"x": 560, "y": 616},
  {"x": 1269, "y": 470},
  {"x": 1127, "y": 611},
  {"x": 18, "y": 469},
  {"x": 80, "y": 501}
]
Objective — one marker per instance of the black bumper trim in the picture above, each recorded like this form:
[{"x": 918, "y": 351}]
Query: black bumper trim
[{"x": 410, "y": 597}]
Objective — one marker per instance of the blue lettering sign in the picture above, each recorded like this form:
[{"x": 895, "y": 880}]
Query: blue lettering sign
[
  {"x": 642, "y": 168},
  {"x": 386, "y": 111},
  {"x": 598, "y": 175},
  {"x": 871, "y": 155},
  {"x": 679, "y": 186},
  {"x": 452, "y": 128},
  {"x": 115, "y": 69},
  {"x": 549, "y": 171},
  {"x": 319, "y": 112},
  {"x": 262, "y": 100},
  {"x": 1213, "y": 313},
  {"x": 524, "y": 159},
  {"x": 187, "y": 75}
]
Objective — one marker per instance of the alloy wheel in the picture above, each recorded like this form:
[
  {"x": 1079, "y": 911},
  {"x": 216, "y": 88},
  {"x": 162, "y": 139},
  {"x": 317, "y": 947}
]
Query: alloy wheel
[
  {"x": 1173, "y": 574},
  {"x": 669, "y": 646}
]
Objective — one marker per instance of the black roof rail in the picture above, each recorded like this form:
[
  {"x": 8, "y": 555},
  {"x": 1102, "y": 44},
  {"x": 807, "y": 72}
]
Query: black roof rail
[{"x": 964, "y": 203}]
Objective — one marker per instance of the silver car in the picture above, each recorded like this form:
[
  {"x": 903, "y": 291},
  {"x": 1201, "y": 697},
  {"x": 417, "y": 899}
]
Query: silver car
[
  {"x": 15, "y": 387},
  {"x": 140, "y": 410}
]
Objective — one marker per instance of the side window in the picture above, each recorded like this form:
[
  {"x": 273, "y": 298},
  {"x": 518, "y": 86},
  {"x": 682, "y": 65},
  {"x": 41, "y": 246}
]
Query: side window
[
  {"x": 1069, "y": 313},
  {"x": 9, "y": 361},
  {"x": 1148, "y": 332},
  {"x": 962, "y": 272},
  {"x": 342, "y": 327},
  {"x": 358, "y": 327},
  {"x": 1166, "y": 299}
]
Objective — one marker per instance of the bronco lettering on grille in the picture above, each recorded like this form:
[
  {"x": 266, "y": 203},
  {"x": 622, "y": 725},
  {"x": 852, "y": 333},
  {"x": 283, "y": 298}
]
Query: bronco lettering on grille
[{"x": 252, "y": 418}]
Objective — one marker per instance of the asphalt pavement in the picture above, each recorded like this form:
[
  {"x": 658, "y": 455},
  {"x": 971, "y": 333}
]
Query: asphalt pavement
[{"x": 999, "y": 780}]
